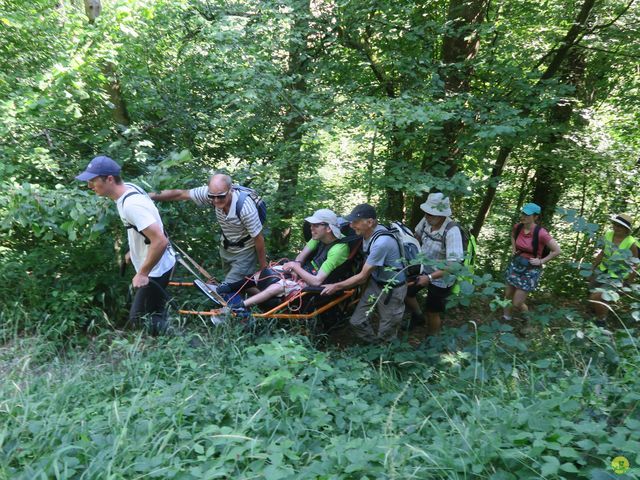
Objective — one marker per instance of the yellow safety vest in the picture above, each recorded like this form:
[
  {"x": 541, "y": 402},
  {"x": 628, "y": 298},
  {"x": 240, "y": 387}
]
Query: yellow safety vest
[{"x": 614, "y": 262}]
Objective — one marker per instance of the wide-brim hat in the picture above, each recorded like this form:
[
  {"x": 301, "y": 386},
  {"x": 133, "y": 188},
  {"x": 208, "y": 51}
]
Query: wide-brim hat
[
  {"x": 437, "y": 205},
  {"x": 324, "y": 215},
  {"x": 622, "y": 219}
]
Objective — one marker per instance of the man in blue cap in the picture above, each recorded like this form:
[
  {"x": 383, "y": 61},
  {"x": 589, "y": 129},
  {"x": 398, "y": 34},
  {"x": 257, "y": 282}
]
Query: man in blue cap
[{"x": 149, "y": 249}]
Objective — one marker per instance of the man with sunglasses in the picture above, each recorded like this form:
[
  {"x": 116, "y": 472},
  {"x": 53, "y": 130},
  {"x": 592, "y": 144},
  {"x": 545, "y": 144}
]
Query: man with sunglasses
[
  {"x": 148, "y": 244},
  {"x": 242, "y": 239}
]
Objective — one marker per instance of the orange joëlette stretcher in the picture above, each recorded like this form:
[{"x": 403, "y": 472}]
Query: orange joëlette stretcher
[{"x": 284, "y": 310}]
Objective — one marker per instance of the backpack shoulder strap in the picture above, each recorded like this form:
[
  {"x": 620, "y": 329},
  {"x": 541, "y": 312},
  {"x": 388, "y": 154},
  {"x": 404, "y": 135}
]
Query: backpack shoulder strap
[
  {"x": 536, "y": 240},
  {"x": 517, "y": 231},
  {"x": 135, "y": 187},
  {"x": 128, "y": 195},
  {"x": 628, "y": 242},
  {"x": 128, "y": 225},
  {"x": 449, "y": 226},
  {"x": 242, "y": 197},
  {"x": 378, "y": 234}
]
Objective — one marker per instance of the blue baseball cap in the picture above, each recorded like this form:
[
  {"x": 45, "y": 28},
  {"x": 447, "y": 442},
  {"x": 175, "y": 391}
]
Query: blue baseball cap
[
  {"x": 99, "y": 166},
  {"x": 531, "y": 209}
]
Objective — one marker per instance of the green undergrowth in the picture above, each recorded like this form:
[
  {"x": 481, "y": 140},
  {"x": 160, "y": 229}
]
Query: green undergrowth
[{"x": 478, "y": 402}]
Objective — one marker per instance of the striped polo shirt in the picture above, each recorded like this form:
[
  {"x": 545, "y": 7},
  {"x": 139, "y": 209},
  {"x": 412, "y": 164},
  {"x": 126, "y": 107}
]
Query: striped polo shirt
[{"x": 234, "y": 228}]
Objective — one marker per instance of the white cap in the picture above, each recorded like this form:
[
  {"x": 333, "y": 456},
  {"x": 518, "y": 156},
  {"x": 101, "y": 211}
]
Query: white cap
[{"x": 324, "y": 215}]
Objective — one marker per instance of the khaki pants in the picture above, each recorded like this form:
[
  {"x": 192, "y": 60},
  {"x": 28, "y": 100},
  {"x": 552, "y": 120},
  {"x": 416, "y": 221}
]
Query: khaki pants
[{"x": 389, "y": 309}]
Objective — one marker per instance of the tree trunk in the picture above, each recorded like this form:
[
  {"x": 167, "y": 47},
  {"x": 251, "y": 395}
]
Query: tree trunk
[
  {"x": 459, "y": 47},
  {"x": 490, "y": 194},
  {"x": 120, "y": 112},
  {"x": 93, "y": 9},
  {"x": 393, "y": 205},
  {"x": 292, "y": 132},
  {"x": 548, "y": 183},
  {"x": 560, "y": 55}
]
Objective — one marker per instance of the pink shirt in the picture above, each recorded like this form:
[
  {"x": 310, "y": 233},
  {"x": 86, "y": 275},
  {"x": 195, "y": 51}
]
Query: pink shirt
[{"x": 524, "y": 242}]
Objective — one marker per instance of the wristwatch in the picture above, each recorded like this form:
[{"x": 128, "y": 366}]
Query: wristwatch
[{"x": 429, "y": 277}]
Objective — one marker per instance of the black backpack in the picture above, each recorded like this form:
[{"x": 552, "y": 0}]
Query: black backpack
[
  {"x": 246, "y": 192},
  {"x": 261, "y": 206}
]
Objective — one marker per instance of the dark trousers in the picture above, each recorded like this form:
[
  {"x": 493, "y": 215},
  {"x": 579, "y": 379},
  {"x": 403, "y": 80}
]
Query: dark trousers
[{"x": 148, "y": 305}]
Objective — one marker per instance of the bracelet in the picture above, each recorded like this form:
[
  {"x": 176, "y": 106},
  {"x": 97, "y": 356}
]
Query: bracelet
[{"x": 429, "y": 277}]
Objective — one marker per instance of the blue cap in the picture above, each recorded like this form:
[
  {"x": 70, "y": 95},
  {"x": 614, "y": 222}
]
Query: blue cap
[
  {"x": 531, "y": 209},
  {"x": 99, "y": 166}
]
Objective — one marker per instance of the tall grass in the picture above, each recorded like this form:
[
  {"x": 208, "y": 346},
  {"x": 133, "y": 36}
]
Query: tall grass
[{"x": 478, "y": 402}]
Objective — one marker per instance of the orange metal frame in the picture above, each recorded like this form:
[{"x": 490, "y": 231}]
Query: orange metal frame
[{"x": 276, "y": 311}]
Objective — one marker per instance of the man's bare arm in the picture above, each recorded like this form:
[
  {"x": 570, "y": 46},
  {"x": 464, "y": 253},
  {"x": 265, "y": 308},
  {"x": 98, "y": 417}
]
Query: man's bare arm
[{"x": 170, "y": 196}]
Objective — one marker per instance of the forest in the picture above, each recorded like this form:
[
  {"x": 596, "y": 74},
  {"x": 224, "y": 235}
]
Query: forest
[{"x": 317, "y": 104}]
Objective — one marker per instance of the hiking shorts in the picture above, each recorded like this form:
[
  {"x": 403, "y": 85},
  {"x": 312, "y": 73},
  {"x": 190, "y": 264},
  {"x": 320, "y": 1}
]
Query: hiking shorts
[{"x": 436, "y": 297}]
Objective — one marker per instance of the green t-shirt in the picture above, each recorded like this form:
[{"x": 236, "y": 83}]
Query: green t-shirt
[{"x": 337, "y": 255}]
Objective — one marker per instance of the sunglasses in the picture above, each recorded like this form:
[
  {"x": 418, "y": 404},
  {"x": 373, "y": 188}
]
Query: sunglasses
[{"x": 217, "y": 196}]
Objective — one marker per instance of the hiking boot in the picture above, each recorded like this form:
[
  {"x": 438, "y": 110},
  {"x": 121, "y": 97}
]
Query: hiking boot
[
  {"x": 417, "y": 320},
  {"x": 238, "y": 311}
]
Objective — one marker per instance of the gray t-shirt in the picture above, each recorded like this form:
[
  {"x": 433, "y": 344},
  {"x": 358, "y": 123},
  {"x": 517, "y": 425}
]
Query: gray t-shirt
[{"x": 384, "y": 254}]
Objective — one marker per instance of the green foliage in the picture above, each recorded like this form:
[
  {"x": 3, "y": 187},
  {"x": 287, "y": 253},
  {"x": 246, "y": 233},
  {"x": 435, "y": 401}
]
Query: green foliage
[
  {"x": 315, "y": 105},
  {"x": 278, "y": 408},
  {"x": 63, "y": 284}
]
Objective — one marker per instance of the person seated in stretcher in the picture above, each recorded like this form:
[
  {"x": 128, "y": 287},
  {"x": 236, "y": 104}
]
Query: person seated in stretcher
[{"x": 321, "y": 256}]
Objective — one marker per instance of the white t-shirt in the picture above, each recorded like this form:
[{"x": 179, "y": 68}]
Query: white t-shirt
[{"x": 140, "y": 211}]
